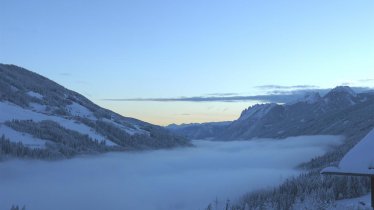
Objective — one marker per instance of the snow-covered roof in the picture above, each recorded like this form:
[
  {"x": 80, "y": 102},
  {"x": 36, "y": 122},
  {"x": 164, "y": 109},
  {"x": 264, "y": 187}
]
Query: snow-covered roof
[{"x": 358, "y": 161}]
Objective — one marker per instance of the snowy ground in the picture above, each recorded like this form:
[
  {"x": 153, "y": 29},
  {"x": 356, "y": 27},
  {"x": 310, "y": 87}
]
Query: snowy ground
[{"x": 361, "y": 203}]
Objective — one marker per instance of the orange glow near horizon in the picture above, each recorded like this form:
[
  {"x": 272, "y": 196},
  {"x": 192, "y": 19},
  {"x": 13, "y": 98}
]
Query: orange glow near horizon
[{"x": 165, "y": 113}]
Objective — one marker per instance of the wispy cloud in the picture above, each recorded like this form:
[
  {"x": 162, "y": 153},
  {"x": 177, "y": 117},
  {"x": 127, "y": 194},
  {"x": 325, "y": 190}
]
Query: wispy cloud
[
  {"x": 346, "y": 84},
  {"x": 265, "y": 98},
  {"x": 184, "y": 114},
  {"x": 366, "y": 80},
  {"x": 222, "y": 94},
  {"x": 284, "y": 87},
  {"x": 65, "y": 74}
]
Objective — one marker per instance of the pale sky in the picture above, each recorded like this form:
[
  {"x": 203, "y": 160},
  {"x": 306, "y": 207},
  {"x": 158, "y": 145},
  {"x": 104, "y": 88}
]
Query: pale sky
[{"x": 195, "y": 48}]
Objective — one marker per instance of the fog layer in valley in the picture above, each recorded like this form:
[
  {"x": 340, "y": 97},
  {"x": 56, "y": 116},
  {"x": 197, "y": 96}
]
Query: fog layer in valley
[{"x": 184, "y": 178}]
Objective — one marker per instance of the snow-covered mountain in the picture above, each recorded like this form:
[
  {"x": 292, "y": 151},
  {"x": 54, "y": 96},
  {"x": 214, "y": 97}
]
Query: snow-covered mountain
[
  {"x": 309, "y": 98},
  {"x": 198, "y": 130},
  {"x": 48, "y": 118},
  {"x": 334, "y": 113}
]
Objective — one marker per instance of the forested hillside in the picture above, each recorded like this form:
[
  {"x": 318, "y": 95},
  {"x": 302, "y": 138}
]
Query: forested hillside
[{"x": 41, "y": 119}]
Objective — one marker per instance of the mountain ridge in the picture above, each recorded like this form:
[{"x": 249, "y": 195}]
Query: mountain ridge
[
  {"x": 30, "y": 102},
  {"x": 312, "y": 115}
]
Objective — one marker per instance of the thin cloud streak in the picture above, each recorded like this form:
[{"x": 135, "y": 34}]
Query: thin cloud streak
[
  {"x": 366, "y": 80},
  {"x": 286, "y": 87},
  {"x": 223, "y": 94},
  {"x": 65, "y": 74},
  {"x": 264, "y": 98},
  {"x": 275, "y": 96}
]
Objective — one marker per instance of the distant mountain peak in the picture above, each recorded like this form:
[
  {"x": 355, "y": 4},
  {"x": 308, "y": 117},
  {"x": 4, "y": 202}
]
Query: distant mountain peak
[
  {"x": 344, "y": 89},
  {"x": 256, "y": 111},
  {"x": 312, "y": 97},
  {"x": 309, "y": 98},
  {"x": 341, "y": 96},
  {"x": 338, "y": 112}
]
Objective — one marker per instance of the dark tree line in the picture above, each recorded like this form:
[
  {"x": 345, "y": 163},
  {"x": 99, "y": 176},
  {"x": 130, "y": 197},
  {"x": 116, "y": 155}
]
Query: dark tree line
[
  {"x": 155, "y": 138},
  {"x": 12, "y": 149},
  {"x": 60, "y": 140},
  {"x": 17, "y": 208}
]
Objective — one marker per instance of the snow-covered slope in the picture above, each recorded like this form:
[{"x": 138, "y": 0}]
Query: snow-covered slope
[
  {"x": 32, "y": 105},
  {"x": 11, "y": 112},
  {"x": 25, "y": 138},
  {"x": 78, "y": 110}
]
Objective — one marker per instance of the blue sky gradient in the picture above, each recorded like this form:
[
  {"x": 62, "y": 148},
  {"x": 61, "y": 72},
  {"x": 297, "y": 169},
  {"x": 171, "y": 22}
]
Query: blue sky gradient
[{"x": 169, "y": 49}]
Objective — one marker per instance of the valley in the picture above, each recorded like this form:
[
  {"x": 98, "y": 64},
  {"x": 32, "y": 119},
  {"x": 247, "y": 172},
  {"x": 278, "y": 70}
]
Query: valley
[{"x": 182, "y": 178}]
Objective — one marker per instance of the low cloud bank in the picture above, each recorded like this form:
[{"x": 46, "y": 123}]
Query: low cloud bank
[{"x": 185, "y": 178}]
